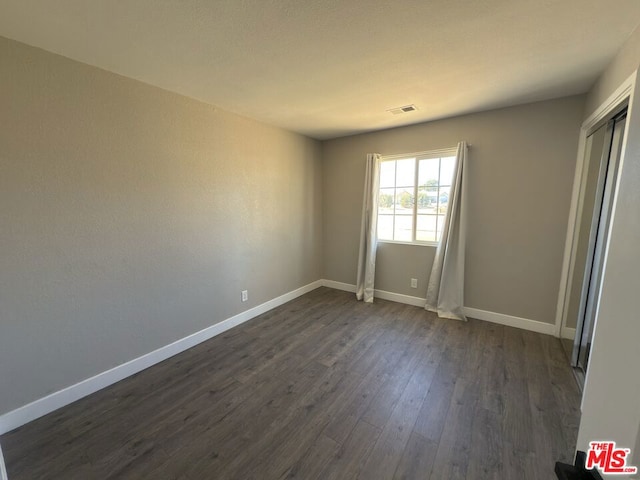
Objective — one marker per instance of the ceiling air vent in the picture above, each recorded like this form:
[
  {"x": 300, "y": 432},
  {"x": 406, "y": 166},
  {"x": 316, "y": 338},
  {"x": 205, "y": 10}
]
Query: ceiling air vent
[{"x": 405, "y": 109}]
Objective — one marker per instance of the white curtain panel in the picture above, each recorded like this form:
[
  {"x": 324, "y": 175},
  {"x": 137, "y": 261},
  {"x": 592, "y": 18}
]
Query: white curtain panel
[
  {"x": 445, "y": 292},
  {"x": 368, "y": 230}
]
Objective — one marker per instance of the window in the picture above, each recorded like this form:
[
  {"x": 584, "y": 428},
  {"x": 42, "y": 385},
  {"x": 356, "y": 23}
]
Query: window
[{"x": 414, "y": 195}]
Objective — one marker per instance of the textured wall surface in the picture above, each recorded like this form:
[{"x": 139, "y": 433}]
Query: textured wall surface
[
  {"x": 132, "y": 217},
  {"x": 521, "y": 167}
]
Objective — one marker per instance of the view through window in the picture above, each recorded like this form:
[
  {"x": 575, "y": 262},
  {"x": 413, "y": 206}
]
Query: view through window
[{"x": 414, "y": 195}]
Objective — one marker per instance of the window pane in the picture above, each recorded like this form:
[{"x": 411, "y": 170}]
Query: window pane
[
  {"x": 426, "y": 228},
  {"x": 406, "y": 172},
  {"x": 404, "y": 201},
  {"x": 385, "y": 227},
  {"x": 427, "y": 222},
  {"x": 403, "y": 228},
  {"x": 428, "y": 172},
  {"x": 385, "y": 200},
  {"x": 387, "y": 174},
  {"x": 447, "y": 166},
  {"x": 443, "y": 199},
  {"x": 427, "y": 199},
  {"x": 400, "y": 198},
  {"x": 426, "y": 236}
]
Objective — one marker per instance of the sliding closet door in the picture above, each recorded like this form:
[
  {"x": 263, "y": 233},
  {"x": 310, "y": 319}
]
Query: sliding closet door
[
  {"x": 597, "y": 240},
  {"x": 593, "y": 189}
]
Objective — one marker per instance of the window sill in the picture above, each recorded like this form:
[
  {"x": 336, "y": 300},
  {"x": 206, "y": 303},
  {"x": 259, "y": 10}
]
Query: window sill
[{"x": 417, "y": 244}]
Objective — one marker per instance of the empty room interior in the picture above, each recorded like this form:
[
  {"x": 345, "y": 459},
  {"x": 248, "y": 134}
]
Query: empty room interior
[{"x": 319, "y": 239}]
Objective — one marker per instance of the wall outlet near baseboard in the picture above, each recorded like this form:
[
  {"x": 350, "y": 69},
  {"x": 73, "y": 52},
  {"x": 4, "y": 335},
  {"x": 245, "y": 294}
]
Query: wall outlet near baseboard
[
  {"x": 245, "y": 295},
  {"x": 414, "y": 283}
]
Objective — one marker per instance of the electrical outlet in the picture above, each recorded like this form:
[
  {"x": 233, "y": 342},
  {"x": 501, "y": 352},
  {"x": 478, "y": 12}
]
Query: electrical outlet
[
  {"x": 414, "y": 283},
  {"x": 245, "y": 295}
]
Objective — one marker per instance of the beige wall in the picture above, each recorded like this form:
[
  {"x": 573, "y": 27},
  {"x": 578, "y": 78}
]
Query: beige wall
[
  {"x": 610, "y": 406},
  {"x": 521, "y": 170},
  {"x": 397, "y": 264},
  {"x": 131, "y": 217},
  {"x": 623, "y": 65}
]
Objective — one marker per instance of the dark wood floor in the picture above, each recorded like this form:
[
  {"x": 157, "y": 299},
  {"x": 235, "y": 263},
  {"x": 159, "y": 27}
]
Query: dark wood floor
[
  {"x": 567, "y": 346},
  {"x": 323, "y": 387}
]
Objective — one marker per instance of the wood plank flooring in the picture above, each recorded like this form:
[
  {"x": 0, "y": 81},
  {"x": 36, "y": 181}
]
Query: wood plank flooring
[{"x": 323, "y": 387}]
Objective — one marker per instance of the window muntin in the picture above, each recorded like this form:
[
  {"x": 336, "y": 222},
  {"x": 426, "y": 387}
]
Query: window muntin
[{"x": 413, "y": 196}]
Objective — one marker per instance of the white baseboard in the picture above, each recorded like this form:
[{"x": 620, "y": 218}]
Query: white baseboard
[
  {"x": 61, "y": 398},
  {"x": 347, "y": 287},
  {"x": 3, "y": 470},
  {"x": 400, "y": 298},
  {"x": 502, "y": 319},
  {"x": 568, "y": 332},
  {"x": 383, "y": 294},
  {"x": 511, "y": 321}
]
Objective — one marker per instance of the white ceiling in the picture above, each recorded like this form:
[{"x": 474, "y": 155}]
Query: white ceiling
[{"x": 327, "y": 68}]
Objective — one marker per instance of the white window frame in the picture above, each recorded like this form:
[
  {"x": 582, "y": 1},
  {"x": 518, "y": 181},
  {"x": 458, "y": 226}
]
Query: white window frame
[{"x": 431, "y": 154}]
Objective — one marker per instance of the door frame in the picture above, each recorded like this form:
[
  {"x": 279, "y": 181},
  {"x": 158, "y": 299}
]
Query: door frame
[{"x": 616, "y": 102}]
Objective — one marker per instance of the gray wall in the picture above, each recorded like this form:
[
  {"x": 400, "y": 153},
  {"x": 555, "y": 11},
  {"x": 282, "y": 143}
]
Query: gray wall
[
  {"x": 132, "y": 217},
  {"x": 623, "y": 65},
  {"x": 521, "y": 171},
  {"x": 610, "y": 406}
]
